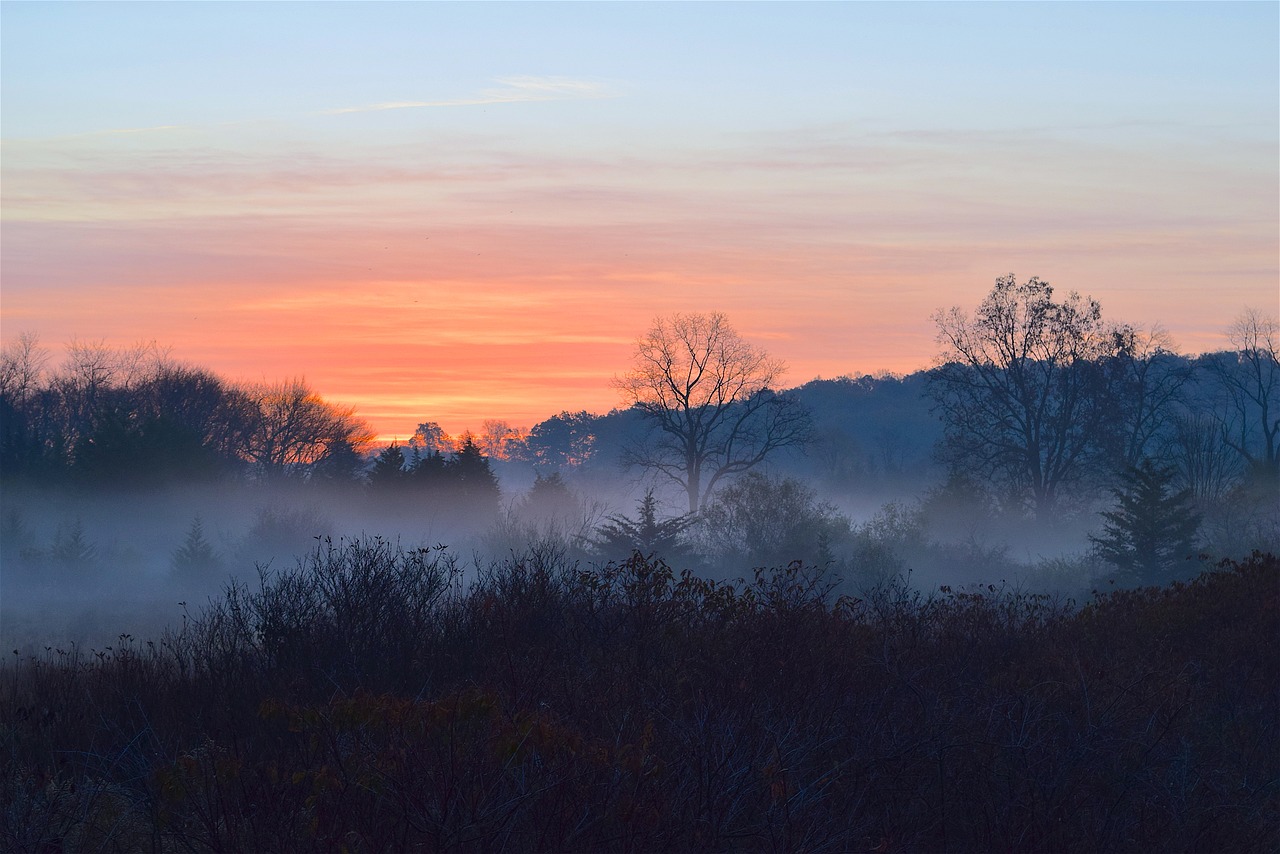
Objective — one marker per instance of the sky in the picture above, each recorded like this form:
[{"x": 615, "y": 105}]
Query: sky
[{"x": 454, "y": 212}]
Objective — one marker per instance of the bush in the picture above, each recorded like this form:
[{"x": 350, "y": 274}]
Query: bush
[{"x": 367, "y": 700}]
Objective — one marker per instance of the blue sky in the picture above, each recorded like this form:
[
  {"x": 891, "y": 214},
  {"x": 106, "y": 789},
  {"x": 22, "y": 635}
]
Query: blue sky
[{"x": 827, "y": 174}]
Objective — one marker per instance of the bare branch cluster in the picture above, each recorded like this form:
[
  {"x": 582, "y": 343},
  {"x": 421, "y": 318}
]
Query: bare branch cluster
[
  {"x": 709, "y": 395},
  {"x": 1018, "y": 386}
]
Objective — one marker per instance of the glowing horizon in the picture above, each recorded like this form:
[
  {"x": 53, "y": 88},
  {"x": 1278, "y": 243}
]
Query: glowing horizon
[{"x": 444, "y": 212}]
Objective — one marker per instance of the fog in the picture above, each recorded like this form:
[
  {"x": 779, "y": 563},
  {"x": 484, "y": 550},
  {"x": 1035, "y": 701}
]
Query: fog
[
  {"x": 84, "y": 566},
  {"x": 134, "y": 488}
]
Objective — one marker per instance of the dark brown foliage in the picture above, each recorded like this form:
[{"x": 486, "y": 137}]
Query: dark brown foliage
[{"x": 367, "y": 702}]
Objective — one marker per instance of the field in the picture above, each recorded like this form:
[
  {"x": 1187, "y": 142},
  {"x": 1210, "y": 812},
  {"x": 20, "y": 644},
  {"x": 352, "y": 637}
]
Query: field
[{"x": 370, "y": 700}]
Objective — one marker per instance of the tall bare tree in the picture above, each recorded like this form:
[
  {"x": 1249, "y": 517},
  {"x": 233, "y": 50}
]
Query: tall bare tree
[
  {"x": 709, "y": 396},
  {"x": 1252, "y": 385},
  {"x": 22, "y": 365},
  {"x": 1205, "y": 465},
  {"x": 1146, "y": 379},
  {"x": 1020, "y": 388}
]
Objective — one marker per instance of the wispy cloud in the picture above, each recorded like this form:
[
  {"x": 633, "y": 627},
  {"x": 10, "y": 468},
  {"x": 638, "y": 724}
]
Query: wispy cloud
[{"x": 509, "y": 91}]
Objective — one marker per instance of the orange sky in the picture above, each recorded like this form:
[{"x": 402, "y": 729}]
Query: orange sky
[{"x": 482, "y": 229}]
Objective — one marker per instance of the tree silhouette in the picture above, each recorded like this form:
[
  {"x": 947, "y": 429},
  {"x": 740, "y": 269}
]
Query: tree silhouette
[
  {"x": 708, "y": 394},
  {"x": 475, "y": 488},
  {"x": 1252, "y": 385},
  {"x": 1152, "y": 529},
  {"x": 72, "y": 549},
  {"x": 195, "y": 558},
  {"x": 388, "y": 471},
  {"x": 430, "y": 438},
  {"x": 567, "y": 439},
  {"x": 771, "y": 521},
  {"x": 294, "y": 429},
  {"x": 1206, "y": 465},
  {"x": 22, "y": 365},
  {"x": 1146, "y": 381},
  {"x": 622, "y": 536},
  {"x": 498, "y": 438},
  {"x": 1020, "y": 389}
]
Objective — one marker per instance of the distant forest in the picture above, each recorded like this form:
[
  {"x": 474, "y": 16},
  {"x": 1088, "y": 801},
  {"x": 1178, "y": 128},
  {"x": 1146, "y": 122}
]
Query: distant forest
[{"x": 1040, "y": 418}]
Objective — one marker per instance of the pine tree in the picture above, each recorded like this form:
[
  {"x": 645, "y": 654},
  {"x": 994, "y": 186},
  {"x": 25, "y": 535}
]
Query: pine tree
[
  {"x": 72, "y": 548},
  {"x": 550, "y": 500},
  {"x": 195, "y": 557},
  {"x": 388, "y": 469},
  {"x": 1152, "y": 529},
  {"x": 647, "y": 534},
  {"x": 473, "y": 481}
]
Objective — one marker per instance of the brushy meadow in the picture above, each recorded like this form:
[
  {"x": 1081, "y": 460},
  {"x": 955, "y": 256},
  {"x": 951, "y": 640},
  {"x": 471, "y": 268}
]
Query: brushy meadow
[{"x": 371, "y": 699}]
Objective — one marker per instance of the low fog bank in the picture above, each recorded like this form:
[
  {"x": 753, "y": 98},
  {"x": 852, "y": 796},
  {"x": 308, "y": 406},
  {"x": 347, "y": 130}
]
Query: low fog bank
[
  {"x": 1092, "y": 454},
  {"x": 85, "y": 566}
]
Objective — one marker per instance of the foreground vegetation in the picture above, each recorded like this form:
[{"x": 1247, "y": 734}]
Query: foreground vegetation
[{"x": 368, "y": 700}]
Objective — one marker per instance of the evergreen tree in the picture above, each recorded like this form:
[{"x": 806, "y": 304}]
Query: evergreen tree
[
  {"x": 195, "y": 557},
  {"x": 388, "y": 469},
  {"x": 430, "y": 471},
  {"x": 621, "y": 535},
  {"x": 550, "y": 501},
  {"x": 72, "y": 549},
  {"x": 473, "y": 481},
  {"x": 1152, "y": 529}
]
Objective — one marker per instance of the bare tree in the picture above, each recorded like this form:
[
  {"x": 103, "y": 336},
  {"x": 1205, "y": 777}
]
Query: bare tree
[
  {"x": 1252, "y": 386},
  {"x": 295, "y": 429},
  {"x": 1205, "y": 465},
  {"x": 497, "y": 438},
  {"x": 709, "y": 397},
  {"x": 90, "y": 368},
  {"x": 1020, "y": 389},
  {"x": 22, "y": 364},
  {"x": 430, "y": 438},
  {"x": 1145, "y": 381}
]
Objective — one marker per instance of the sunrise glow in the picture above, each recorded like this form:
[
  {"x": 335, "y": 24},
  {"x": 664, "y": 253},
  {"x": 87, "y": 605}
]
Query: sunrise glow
[{"x": 440, "y": 212}]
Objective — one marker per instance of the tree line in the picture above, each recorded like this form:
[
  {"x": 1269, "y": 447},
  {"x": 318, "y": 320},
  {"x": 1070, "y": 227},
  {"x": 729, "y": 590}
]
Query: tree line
[
  {"x": 1040, "y": 406},
  {"x": 134, "y": 416},
  {"x": 1039, "y": 397}
]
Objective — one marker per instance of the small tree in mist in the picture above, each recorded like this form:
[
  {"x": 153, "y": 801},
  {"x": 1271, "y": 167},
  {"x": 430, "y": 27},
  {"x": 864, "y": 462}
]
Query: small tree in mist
[
  {"x": 195, "y": 558},
  {"x": 771, "y": 521},
  {"x": 1152, "y": 529},
  {"x": 710, "y": 398},
  {"x": 550, "y": 501},
  {"x": 72, "y": 549},
  {"x": 15, "y": 536},
  {"x": 281, "y": 532},
  {"x": 621, "y": 536}
]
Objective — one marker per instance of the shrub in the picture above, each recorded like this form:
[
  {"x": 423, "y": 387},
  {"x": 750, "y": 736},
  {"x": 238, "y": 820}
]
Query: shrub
[{"x": 367, "y": 700}]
